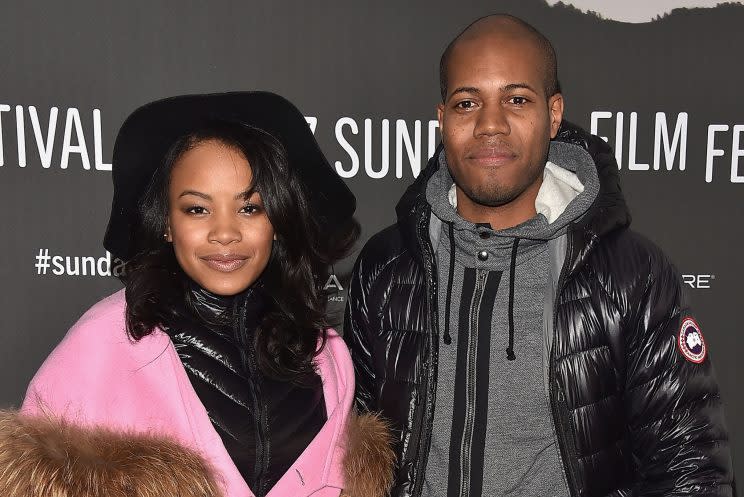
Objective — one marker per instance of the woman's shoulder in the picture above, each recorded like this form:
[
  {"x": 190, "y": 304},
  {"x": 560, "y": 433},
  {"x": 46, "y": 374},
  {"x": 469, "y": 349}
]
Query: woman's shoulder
[
  {"x": 103, "y": 328},
  {"x": 93, "y": 355},
  {"x": 106, "y": 314}
]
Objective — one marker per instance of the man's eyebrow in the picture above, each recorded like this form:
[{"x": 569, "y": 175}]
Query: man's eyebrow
[
  {"x": 195, "y": 193},
  {"x": 518, "y": 86},
  {"x": 506, "y": 88},
  {"x": 464, "y": 89}
]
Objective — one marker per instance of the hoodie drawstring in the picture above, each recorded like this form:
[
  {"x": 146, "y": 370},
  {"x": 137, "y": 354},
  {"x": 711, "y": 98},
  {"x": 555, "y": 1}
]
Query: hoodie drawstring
[
  {"x": 512, "y": 270},
  {"x": 448, "y": 301}
]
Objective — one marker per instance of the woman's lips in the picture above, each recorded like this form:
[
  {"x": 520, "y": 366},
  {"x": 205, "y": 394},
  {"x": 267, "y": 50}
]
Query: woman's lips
[{"x": 225, "y": 263}]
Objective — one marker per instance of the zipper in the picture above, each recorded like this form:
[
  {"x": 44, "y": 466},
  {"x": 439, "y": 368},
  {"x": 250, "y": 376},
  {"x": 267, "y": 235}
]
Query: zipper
[
  {"x": 262, "y": 439},
  {"x": 260, "y": 411},
  {"x": 564, "y": 430},
  {"x": 429, "y": 390},
  {"x": 470, "y": 384}
]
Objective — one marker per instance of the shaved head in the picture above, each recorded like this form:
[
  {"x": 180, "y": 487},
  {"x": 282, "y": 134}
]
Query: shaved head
[{"x": 506, "y": 26}]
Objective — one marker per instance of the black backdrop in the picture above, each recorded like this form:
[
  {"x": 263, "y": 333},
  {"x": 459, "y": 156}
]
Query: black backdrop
[{"x": 71, "y": 72}]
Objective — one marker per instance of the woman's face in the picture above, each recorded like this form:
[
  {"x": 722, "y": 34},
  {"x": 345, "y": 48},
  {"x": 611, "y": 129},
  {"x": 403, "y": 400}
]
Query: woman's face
[{"x": 220, "y": 233}]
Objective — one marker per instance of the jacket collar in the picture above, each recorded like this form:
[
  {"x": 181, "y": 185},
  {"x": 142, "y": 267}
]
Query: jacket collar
[{"x": 413, "y": 210}]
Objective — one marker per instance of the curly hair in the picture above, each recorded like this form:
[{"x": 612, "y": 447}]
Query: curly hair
[{"x": 157, "y": 289}]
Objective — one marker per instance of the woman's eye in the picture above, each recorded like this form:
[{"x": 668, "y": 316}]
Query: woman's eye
[
  {"x": 250, "y": 209},
  {"x": 195, "y": 209}
]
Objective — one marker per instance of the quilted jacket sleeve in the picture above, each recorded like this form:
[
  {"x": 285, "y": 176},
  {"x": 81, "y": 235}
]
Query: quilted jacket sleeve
[
  {"x": 357, "y": 336},
  {"x": 675, "y": 414}
]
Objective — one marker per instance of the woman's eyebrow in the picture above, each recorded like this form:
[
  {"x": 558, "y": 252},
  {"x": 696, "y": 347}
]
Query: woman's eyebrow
[
  {"x": 244, "y": 195},
  {"x": 195, "y": 193}
]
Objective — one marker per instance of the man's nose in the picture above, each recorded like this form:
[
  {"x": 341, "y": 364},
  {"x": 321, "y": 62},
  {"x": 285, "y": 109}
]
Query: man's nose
[{"x": 492, "y": 120}]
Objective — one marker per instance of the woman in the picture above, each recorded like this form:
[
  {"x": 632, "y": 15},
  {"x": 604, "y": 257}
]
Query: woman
[{"x": 228, "y": 217}]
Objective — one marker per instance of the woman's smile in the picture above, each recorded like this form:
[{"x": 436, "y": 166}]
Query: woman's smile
[{"x": 225, "y": 263}]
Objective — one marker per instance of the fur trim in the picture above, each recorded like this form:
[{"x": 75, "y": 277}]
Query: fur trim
[
  {"x": 41, "y": 457},
  {"x": 369, "y": 461}
]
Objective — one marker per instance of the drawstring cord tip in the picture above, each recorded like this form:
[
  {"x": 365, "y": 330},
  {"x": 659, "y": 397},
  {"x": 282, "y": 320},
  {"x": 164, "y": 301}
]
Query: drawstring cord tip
[
  {"x": 510, "y": 354},
  {"x": 447, "y": 339}
]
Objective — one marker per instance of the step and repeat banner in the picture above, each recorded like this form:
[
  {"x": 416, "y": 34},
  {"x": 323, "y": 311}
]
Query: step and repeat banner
[{"x": 662, "y": 82}]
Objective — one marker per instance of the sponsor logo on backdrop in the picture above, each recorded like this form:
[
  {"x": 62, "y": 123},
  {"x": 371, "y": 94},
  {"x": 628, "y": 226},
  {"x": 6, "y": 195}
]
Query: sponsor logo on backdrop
[
  {"x": 44, "y": 127},
  {"x": 334, "y": 288},
  {"x": 699, "y": 281},
  {"x": 724, "y": 144},
  {"x": 49, "y": 264},
  {"x": 370, "y": 146}
]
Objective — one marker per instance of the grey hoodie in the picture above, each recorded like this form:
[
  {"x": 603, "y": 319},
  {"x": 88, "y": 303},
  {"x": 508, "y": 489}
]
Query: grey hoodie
[{"x": 493, "y": 432}]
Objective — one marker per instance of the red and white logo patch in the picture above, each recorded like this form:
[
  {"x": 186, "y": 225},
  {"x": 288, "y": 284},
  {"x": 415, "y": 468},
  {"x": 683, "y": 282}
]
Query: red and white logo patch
[{"x": 690, "y": 341}]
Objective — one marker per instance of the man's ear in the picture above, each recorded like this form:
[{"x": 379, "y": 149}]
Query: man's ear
[
  {"x": 440, "y": 115},
  {"x": 555, "y": 108}
]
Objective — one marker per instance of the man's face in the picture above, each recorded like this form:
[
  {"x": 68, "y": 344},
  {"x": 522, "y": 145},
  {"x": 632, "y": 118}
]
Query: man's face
[{"x": 496, "y": 121}]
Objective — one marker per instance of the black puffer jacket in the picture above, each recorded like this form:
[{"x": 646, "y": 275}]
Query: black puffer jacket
[{"x": 632, "y": 415}]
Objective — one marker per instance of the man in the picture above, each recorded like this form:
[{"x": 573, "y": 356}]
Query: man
[{"x": 518, "y": 336}]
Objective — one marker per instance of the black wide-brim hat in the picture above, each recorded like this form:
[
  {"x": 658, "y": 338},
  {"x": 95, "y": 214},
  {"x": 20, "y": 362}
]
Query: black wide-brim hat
[{"x": 148, "y": 133}]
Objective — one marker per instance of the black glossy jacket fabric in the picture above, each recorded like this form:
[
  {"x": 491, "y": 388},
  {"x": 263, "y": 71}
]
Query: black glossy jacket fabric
[
  {"x": 265, "y": 423},
  {"x": 632, "y": 415}
]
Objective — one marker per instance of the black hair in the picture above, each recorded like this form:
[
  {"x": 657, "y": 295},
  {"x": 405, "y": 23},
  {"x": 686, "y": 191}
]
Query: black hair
[
  {"x": 157, "y": 289},
  {"x": 549, "y": 59}
]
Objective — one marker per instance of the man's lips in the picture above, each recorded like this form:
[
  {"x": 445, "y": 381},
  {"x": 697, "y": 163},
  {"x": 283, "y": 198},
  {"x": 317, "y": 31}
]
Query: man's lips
[
  {"x": 491, "y": 156},
  {"x": 225, "y": 263}
]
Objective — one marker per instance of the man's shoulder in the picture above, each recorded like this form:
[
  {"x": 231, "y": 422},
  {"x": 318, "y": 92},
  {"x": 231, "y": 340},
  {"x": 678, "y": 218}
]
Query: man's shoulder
[
  {"x": 385, "y": 258},
  {"x": 627, "y": 254},
  {"x": 384, "y": 246}
]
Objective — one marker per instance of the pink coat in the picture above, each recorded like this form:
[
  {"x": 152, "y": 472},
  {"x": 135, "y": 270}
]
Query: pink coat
[{"x": 97, "y": 376}]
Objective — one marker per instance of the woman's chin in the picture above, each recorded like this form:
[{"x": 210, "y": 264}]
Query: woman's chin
[{"x": 226, "y": 288}]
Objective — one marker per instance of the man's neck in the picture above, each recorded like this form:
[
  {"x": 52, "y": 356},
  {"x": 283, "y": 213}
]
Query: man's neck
[{"x": 502, "y": 217}]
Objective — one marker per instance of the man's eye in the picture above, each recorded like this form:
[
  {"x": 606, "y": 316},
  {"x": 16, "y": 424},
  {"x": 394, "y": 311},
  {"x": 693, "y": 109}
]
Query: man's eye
[
  {"x": 518, "y": 100},
  {"x": 465, "y": 105}
]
